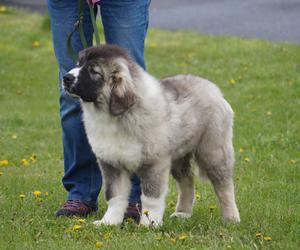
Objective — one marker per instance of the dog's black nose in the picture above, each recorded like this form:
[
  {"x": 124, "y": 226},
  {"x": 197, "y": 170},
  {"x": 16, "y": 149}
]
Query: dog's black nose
[{"x": 68, "y": 80}]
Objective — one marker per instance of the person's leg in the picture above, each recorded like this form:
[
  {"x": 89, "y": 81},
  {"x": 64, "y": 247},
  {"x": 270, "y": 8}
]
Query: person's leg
[
  {"x": 125, "y": 24},
  {"x": 82, "y": 177}
]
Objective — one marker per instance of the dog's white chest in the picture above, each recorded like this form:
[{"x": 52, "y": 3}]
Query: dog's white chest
[{"x": 111, "y": 143}]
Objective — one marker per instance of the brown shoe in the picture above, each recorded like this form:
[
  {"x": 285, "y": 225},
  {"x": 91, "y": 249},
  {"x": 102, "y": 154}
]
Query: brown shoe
[
  {"x": 74, "y": 208},
  {"x": 133, "y": 212}
]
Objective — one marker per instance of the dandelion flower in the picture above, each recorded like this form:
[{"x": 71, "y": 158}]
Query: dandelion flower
[
  {"x": 107, "y": 236},
  {"x": 14, "y": 136},
  {"x": 171, "y": 204},
  {"x": 247, "y": 159},
  {"x": 183, "y": 237},
  {"x": 232, "y": 82},
  {"x": 152, "y": 45},
  {"x": 146, "y": 212},
  {"x": 212, "y": 207},
  {"x": 46, "y": 193},
  {"x": 291, "y": 161},
  {"x": 158, "y": 238},
  {"x": 173, "y": 239},
  {"x": 99, "y": 243},
  {"x": 4, "y": 163},
  {"x": 267, "y": 238},
  {"x": 81, "y": 221},
  {"x": 259, "y": 234},
  {"x": 3, "y": 9},
  {"x": 241, "y": 150},
  {"x": 37, "y": 193},
  {"x": 36, "y": 44},
  {"x": 24, "y": 162},
  {"x": 76, "y": 227},
  {"x": 22, "y": 196},
  {"x": 33, "y": 158}
]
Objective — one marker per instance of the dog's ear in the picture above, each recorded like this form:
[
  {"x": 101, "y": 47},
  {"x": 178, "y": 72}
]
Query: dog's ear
[{"x": 122, "y": 95}]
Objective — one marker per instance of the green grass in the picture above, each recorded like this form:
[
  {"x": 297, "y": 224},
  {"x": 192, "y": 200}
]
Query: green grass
[{"x": 266, "y": 99}]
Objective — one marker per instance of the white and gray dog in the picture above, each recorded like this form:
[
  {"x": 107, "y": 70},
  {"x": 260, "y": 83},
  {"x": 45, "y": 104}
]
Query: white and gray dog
[{"x": 137, "y": 124}]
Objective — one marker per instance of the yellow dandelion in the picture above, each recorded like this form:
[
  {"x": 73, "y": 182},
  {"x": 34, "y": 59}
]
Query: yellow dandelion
[
  {"x": 152, "y": 45},
  {"x": 1, "y": 173},
  {"x": 3, "y": 9},
  {"x": 81, "y": 221},
  {"x": 36, "y": 44},
  {"x": 33, "y": 158},
  {"x": 212, "y": 207},
  {"x": 267, "y": 238},
  {"x": 130, "y": 220},
  {"x": 198, "y": 196},
  {"x": 183, "y": 236},
  {"x": 76, "y": 227},
  {"x": 269, "y": 113},
  {"x": 14, "y": 136},
  {"x": 107, "y": 235},
  {"x": 232, "y": 82},
  {"x": 46, "y": 193},
  {"x": 173, "y": 239},
  {"x": 146, "y": 212},
  {"x": 241, "y": 150},
  {"x": 158, "y": 238},
  {"x": 22, "y": 196},
  {"x": 37, "y": 193},
  {"x": 291, "y": 161},
  {"x": 99, "y": 244},
  {"x": 4, "y": 163},
  {"x": 247, "y": 159},
  {"x": 258, "y": 235},
  {"x": 24, "y": 162},
  {"x": 171, "y": 204}
]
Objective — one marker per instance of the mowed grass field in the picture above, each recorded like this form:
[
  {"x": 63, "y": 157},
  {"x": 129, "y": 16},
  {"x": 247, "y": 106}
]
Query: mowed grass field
[{"x": 260, "y": 79}]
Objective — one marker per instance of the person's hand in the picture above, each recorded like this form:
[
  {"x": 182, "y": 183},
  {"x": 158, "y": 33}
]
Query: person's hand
[{"x": 92, "y": 2}]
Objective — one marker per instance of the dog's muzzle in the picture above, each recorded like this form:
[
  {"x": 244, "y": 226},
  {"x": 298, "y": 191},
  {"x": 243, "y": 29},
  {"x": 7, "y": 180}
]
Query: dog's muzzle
[{"x": 68, "y": 80}]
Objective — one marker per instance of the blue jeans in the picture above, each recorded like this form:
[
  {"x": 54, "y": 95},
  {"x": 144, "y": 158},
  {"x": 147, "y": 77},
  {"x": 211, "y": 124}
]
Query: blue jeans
[{"x": 125, "y": 23}]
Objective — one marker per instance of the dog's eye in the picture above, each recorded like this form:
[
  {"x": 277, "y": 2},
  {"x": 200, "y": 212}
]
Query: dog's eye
[{"x": 95, "y": 72}]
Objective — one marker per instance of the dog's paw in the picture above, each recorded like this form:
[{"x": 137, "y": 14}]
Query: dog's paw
[
  {"x": 181, "y": 215},
  {"x": 107, "y": 221},
  {"x": 149, "y": 222},
  {"x": 232, "y": 218},
  {"x": 98, "y": 223}
]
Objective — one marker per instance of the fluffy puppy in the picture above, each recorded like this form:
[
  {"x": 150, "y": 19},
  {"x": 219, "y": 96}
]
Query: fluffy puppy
[{"x": 137, "y": 124}]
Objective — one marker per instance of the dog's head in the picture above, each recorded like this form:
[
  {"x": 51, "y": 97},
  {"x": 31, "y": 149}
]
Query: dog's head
[{"x": 104, "y": 76}]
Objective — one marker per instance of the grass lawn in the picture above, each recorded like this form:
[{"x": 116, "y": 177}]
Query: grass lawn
[{"x": 260, "y": 79}]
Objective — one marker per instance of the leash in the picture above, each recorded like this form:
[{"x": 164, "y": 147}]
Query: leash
[{"x": 78, "y": 26}]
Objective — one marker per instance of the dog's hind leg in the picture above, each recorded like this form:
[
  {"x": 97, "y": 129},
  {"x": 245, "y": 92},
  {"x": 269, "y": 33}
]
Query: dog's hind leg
[
  {"x": 216, "y": 159},
  {"x": 154, "y": 184},
  {"x": 181, "y": 171},
  {"x": 117, "y": 187}
]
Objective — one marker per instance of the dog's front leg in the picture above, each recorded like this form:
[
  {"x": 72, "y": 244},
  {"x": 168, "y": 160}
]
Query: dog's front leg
[
  {"x": 117, "y": 187},
  {"x": 154, "y": 183}
]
